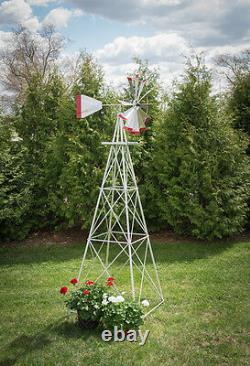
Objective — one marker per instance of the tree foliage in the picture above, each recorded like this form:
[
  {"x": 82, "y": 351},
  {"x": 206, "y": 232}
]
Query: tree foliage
[
  {"x": 200, "y": 163},
  {"x": 142, "y": 154},
  {"x": 191, "y": 165},
  {"x": 237, "y": 71},
  {"x": 239, "y": 102},
  {"x": 76, "y": 153},
  {"x": 15, "y": 199},
  {"x": 28, "y": 54},
  {"x": 36, "y": 123}
]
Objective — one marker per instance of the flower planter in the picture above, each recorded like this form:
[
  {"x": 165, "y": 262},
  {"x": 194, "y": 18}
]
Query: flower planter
[
  {"x": 86, "y": 324},
  {"x": 98, "y": 307}
]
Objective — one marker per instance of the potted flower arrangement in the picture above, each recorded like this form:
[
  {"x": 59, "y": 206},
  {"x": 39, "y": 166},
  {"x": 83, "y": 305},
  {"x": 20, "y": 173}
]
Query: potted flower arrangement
[
  {"x": 121, "y": 313},
  {"x": 96, "y": 305}
]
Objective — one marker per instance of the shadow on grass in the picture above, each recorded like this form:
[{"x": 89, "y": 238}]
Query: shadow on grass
[
  {"x": 164, "y": 253},
  {"x": 39, "y": 254},
  {"x": 24, "y": 344},
  {"x": 69, "y": 329}
]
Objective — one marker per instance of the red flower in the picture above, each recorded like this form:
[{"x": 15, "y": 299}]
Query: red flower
[
  {"x": 90, "y": 283},
  {"x": 85, "y": 292},
  {"x": 109, "y": 283},
  {"x": 110, "y": 279},
  {"x": 73, "y": 281},
  {"x": 64, "y": 290}
]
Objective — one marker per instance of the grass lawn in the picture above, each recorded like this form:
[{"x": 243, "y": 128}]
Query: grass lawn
[{"x": 204, "y": 321}]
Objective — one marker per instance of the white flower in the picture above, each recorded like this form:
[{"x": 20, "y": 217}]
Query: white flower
[
  {"x": 112, "y": 299},
  {"x": 105, "y": 296},
  {"x": 123, "y": 292},
  {"x": 96, "y": 306},
  {"x": 145, "y": 303},
  {"x": 119, "y": 298},
  {"x": 116, "y": 299},
  {"x": 105, "y": 302}
]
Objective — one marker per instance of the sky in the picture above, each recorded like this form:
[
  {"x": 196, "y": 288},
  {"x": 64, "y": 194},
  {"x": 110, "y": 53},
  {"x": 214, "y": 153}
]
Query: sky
[{"x": 114, "y": 31}]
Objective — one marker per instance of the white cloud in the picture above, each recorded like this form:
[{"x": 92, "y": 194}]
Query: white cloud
[
  {"x": 161, "y": 2},
  {"x": 41, "y": 2},
  {"x": 115, "y": 75},
  {"x": 32, "y": 24},
  {"x": 161, "y": 47},
  {"x": 14, "y": 11},
  {"x": 59, "y": 17},
  {"x": 219, "y": 21},
  {"x": 4, "y": 38},
  {"x": 18, "y": 12},
  {"x": 164, "y": 51}
]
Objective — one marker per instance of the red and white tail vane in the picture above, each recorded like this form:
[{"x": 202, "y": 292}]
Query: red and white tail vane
[{"x": 85, "y": 106}]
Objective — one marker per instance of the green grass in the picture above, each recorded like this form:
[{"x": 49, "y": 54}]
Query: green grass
[{"x": 204, "y": 321}]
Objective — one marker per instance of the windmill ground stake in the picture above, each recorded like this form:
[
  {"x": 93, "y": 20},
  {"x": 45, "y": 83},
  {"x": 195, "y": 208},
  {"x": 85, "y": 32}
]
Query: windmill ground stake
[{"x": 118, "y": 238}]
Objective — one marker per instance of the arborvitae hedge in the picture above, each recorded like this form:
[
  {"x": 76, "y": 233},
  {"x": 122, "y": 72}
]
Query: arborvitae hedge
[
  {"x": 76, "y": 153},
  {"x": 15, "y": 198},
  {"x": 200, "y": 163},
  {"x": 191, "y": 169}
]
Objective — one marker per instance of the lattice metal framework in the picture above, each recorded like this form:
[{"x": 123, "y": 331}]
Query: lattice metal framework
[{"x": 118, "y": 237}]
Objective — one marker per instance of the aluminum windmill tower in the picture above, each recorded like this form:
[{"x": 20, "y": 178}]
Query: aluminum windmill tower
[{"x": 118, "y": 238}]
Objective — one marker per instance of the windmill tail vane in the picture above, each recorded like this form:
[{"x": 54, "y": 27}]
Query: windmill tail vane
[
  {"x": 118, "y": 239},
  {"x": 134, "y": 118}
]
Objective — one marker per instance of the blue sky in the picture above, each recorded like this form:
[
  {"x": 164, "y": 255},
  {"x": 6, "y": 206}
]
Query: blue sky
[
  {"x": 161, "y": 31},
  {"x": 93, "y": 32},
  {"x": 86, "y": 31}
]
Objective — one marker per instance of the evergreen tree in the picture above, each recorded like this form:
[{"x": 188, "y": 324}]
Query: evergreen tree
[
  {"x": 237, "y": 97},
  {"x": 15, "y": 198},
  {"x": 200, "y": 163},
  {"x": 77, "y": 152},
  {"x": 237, "y": 72},
  {"x": 36, "y": 124},
  {"x": 142, "y": 154},
  {"x": 239, "y": 102}
]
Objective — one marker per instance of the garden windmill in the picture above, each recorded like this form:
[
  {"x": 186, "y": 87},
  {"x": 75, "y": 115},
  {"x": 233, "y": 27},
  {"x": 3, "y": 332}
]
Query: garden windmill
[{"x": 118, "y": 233}]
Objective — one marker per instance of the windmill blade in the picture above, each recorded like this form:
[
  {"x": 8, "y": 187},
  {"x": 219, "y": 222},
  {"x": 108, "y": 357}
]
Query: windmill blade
[
  {"x": 143, "y": 119},
  {"x": 123, "y": 102},
  {"x": 131, "y": 87},
  {"x": 85, "y": 106},
  {"x": 136, "y": 81},
  {"x": 141, "y": 86},
  {"x": 146, "y": 94}
]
